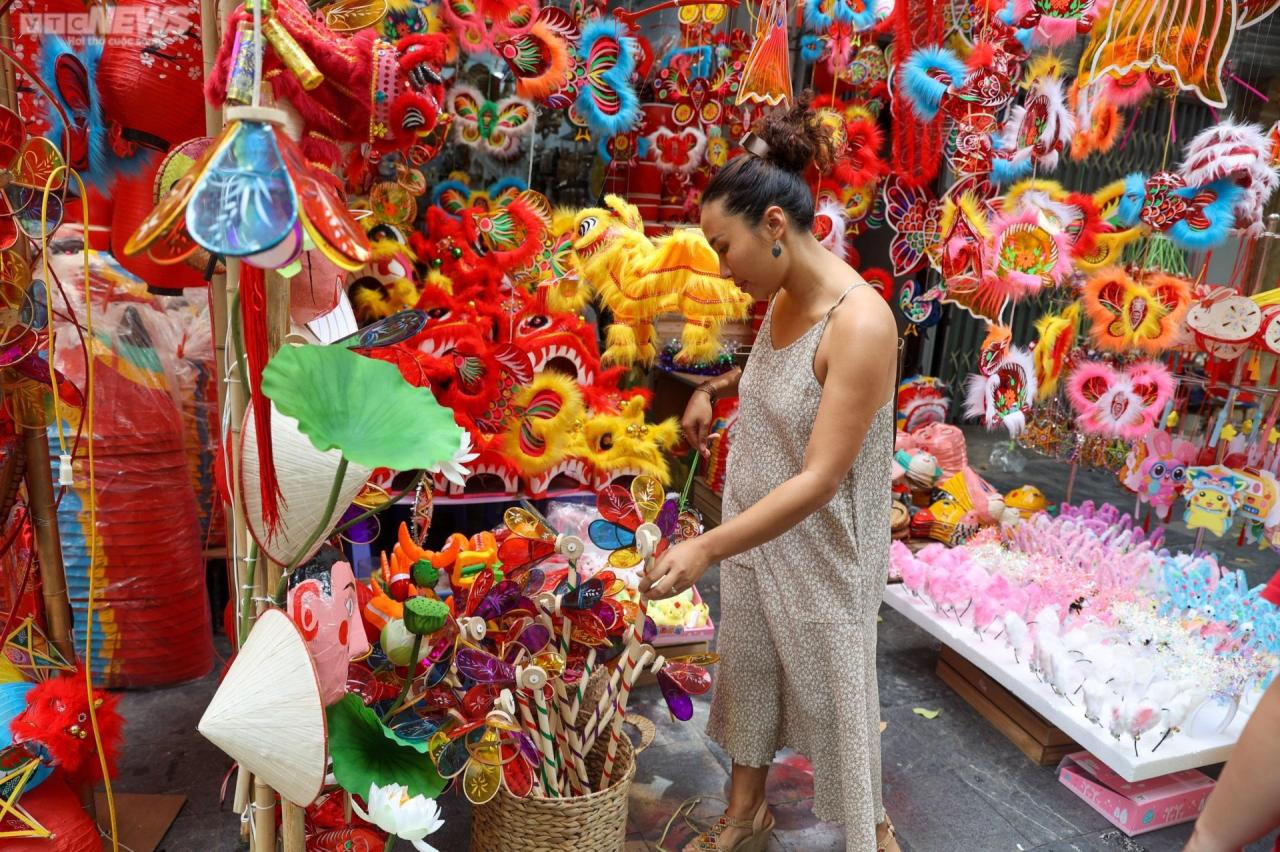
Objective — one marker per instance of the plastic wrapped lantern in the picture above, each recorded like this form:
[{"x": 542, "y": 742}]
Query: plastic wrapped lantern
[{"x": 251, "y": 195}]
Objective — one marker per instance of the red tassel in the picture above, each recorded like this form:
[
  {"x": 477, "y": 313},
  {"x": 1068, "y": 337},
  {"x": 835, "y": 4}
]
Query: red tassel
[{"x": 253, "y": 313}]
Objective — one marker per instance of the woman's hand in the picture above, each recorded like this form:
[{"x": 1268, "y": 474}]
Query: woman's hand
[
  {"x": 696, "y": 422},
  {"x": 675, "y": 571}
]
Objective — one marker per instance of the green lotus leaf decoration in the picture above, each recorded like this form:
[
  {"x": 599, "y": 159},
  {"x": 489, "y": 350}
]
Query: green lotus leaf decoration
[
  {"x": 365, "y": 752},
  {"x": 361, "y": 406}
]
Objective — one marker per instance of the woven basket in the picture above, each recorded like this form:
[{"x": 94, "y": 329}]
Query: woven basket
[{"x": 596, "y": 822}]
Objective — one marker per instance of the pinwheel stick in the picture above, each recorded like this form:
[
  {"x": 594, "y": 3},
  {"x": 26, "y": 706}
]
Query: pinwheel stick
[
  {"x": 570, "y": 744},
  {"x": 619, "y": 711},
  {"x": 587, "y": 668},
  {"x": 540, "y": 783},
  {"x": 545, "y": 738}
]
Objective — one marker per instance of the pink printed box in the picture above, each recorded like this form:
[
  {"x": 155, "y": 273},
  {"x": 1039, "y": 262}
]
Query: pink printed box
[{"x": 1136, "y": 807}]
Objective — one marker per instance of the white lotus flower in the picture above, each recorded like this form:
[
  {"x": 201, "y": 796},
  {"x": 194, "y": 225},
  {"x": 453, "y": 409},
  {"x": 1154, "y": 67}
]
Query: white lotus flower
[
  {"x": 393, "y": 810},
  {"x": 455, "y": 469}
]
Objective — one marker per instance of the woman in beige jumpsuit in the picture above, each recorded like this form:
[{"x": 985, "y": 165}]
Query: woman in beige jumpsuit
[{"x": 804, "y": 549}]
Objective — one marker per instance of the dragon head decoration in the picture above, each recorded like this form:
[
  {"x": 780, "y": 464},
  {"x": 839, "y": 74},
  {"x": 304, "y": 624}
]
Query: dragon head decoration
[
  {"x": 621, "y": 444},
  {"x": 57, "y": 721},
  {"x": 554, "y": 340}
]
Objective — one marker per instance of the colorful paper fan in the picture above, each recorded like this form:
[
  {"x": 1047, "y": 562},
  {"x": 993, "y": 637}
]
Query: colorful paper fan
[
  {"x": 1127, "y": 314},
  {"x": 30, "y": 161},
  {"x": 276, "y": 200},
  {"x": 766, "y": 78},
  {"x": 360, "y": 406},
  {"x": 960, "y": 504}
]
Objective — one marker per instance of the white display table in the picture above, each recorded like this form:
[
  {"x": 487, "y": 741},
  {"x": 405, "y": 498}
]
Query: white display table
[{"x": 996, "y": 659}]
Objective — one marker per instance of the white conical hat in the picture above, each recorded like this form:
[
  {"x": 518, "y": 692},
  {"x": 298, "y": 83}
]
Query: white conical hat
[
  {"x": 305, "y": 475},
  {"x": 267, "y": 713}
]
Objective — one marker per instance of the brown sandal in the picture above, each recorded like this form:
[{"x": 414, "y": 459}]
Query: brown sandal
[
  {"x": 887, "y": 837},
  {"x": 761, "y": 828}
]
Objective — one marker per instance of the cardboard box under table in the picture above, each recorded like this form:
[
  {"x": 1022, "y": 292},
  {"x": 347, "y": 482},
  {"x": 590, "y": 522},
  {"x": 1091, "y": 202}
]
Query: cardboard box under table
[{"x": 1136, "y": 807}]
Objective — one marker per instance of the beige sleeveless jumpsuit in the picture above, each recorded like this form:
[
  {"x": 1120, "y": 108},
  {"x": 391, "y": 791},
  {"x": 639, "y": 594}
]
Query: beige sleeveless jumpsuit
[{"x": 798, "y": 614}]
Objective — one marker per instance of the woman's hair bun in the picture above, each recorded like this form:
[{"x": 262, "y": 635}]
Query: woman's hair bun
[{"x": 797, "y": 137}]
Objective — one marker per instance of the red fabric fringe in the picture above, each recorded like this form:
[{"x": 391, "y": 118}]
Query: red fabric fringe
[
  {"x": 917, "y": 147},
  {"x": 253, "y": 316}
]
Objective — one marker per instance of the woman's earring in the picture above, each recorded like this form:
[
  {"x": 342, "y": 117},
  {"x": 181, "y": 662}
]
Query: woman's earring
[{"x": 777, "y": 249}]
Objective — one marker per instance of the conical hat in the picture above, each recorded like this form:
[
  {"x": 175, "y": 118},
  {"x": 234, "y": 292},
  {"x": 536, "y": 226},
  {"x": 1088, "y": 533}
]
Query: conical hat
[
  {"x": 267, "y": 714},
  {"x": 305, "y": 475}
]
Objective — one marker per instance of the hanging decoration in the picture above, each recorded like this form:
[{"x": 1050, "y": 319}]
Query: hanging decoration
[
  {"x": 1119, "y": 403},
  {"x": 493, "y": 128},
  {"x": 1125, "y": 314},
  {"x": 766, "y": 77}
]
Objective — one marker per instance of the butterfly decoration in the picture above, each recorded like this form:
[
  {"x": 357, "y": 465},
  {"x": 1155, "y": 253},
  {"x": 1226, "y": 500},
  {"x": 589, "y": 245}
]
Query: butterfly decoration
[
  {"x": 913, "y": 214},
  {"x": 494, "y": 128},
  {"x": 679, "y": 151},
  {"x": 696, "y": 21},
  {"x": 696, "y": 96},
  {"x": 625, "y": 149},
  {"x": 541, "y": 57},
  {"x": 454, "y": 196},
  {"x": 623, "y": 512},
  {"x": 30, "y": 161},
  {"x": 1240, "y": 151},
  {"x": 251, "y": 195},
  {"x": 481, "y": 24},
  {"x": 1118, "y": 403},
  {"x": 1128, "y": 314},
  {"x": 604, "y": 100},
  {"x": 683, "y": 677},
  {"x": 1035, "y": 132}
]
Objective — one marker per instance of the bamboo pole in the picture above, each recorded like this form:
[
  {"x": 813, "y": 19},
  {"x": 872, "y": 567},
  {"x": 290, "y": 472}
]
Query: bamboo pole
[
  {"x": 277, "y": 329},
  {"x": 224, "y": 288},
  {"x": 44, "y": 521}
]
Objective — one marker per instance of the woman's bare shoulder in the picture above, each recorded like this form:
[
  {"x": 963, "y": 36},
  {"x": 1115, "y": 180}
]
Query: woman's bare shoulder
[{"x": 864, "y": 320}]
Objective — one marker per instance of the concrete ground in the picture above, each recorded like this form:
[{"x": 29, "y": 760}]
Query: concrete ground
[{"x": 951, "y": 784}]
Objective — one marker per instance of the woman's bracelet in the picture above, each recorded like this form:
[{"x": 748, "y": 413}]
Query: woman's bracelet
[{"x": 706, "y": 388}]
